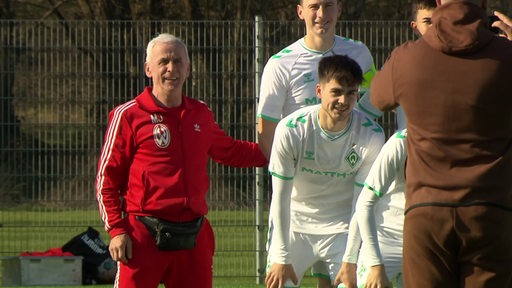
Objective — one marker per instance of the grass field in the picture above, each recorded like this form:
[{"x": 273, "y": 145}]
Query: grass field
[
  {"x": 42, "y": 229},
  {"x": 308, "y": 282}
]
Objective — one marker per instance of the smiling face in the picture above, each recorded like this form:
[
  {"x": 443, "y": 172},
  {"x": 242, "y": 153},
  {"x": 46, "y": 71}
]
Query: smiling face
[
  {"x": 169, "y": 68},
  {"x": 337, "y": 104},
  {"x": 320, "y": 16}
]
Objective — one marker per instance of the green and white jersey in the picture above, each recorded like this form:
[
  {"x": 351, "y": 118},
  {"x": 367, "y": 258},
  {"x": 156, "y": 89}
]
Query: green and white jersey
[
  {"x": 387, "y": 181},
  {"x": 326, "y": 171},
  {"x": 380, "y": 212},
  {"x": 289, "y": 78}
]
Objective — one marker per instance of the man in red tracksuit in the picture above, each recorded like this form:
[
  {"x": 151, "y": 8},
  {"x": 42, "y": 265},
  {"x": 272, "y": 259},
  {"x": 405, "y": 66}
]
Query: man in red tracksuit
[{"x": 154, "y": 163}]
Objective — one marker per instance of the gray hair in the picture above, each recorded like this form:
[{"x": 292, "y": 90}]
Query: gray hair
[{"x": 164, "y": 38}]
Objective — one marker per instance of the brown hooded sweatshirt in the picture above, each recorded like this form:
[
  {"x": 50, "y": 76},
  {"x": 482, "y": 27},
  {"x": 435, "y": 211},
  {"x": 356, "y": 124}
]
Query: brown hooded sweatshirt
[{"x": 455, "y": 86}]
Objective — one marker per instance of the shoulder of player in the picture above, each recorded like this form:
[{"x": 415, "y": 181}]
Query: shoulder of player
[
  {"x": 288, "y": 53},
  {"x": 356, "y": 50},
  {"x": 362, "y": 120},
  {"x": 400, "y": 134},
  {"x": 397, "y": 140},
  {"x": 344, "y": 41},
  {"x": 298, "y": 118}
]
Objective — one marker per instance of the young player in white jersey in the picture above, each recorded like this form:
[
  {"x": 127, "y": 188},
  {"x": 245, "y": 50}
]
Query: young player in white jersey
[
  {"x": 378, "y": 219},
  {"x": 290, "y": 76},
  {"x": 320, "y": 157}
]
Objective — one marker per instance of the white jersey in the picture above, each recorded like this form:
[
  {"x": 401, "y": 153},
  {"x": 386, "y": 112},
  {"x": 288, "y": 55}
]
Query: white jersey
[
  {"x": 323, "y": 171},
  {"x": 380, "y": 211},
  {"x": 289, "y": 78}
]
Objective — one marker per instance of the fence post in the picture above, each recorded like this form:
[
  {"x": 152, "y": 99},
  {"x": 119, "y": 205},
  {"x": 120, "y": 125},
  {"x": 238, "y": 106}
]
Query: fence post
[{"x": 260, "y": 172}]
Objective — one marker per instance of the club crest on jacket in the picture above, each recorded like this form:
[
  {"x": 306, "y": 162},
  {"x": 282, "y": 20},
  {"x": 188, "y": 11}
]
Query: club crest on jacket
[{"x": 161, "y": 135}]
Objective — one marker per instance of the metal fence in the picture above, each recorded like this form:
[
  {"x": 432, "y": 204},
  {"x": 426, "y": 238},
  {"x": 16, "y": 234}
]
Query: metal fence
[{"x": 60, "y": 79}]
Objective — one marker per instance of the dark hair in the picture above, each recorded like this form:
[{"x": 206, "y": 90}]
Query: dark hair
[
  {"x": 421, "y": 4},
  {"x": 299, "y": 2},
  {"x": 341, "y": 68}
]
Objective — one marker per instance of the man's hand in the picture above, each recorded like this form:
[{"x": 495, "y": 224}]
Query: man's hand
[
  {"x": 120, "y": 248},
  {"x": 377, "y": 278},
  {"x": 278, "y": 274},
  {"x": 347, "y": 275},
  {"x": 505, "y": 24}
]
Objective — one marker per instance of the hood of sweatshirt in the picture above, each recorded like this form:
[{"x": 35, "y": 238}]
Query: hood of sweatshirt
[{"x": 458, "y": 27}]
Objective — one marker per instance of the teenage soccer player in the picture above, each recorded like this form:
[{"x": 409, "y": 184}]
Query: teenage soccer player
[
  {"x": 290, "y": 76},
  {"x": 379, "y": 219},
  {"x": 320, "y": 157}
]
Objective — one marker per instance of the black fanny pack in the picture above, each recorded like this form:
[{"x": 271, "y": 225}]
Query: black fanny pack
[{"x": 173, "y": 235}]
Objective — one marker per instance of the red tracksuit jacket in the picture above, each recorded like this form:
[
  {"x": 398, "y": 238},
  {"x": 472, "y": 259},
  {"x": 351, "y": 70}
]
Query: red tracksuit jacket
[{"x": 157, "y": 158}]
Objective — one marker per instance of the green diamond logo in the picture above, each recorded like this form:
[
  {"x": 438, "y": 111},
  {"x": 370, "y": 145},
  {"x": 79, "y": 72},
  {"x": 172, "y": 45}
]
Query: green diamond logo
[{"x": 352, "y": 158}]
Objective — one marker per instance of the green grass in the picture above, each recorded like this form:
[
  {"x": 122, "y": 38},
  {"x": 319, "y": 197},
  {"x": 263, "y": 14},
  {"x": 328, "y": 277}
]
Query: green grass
[
  {"x": 42, "y": 228},
  {"x": 228, "y": 283},
  {"x": 307, "y": 282}
]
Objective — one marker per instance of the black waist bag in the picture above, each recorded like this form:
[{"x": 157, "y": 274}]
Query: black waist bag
[{"x": 173, "y": 235}]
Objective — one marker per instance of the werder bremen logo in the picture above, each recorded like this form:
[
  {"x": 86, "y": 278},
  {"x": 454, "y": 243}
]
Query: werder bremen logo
[
  {"x": 309, "y": 155},
  {"x": 352, "y": 158}
]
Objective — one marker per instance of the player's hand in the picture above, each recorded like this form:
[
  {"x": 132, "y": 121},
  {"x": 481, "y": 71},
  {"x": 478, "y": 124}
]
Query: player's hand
[
  {"x": 278, "y": 274},
  {"x": 377, "y": 278},
  {"x": 347, "y": 275},
  {"x": 505, "y": 24},
  {"x": 120, "y": 248}
]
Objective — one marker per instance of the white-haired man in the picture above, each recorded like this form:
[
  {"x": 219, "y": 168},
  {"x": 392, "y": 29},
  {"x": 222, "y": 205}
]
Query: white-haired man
[{"x": 155, "y": 157}]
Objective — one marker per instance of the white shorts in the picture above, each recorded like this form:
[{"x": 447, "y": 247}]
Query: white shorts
[
  {"x": 324, "y": 251},
  {"x": 392, "y": 255}
]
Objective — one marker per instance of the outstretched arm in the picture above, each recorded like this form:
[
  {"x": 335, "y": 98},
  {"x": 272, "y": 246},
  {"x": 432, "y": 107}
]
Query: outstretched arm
[{"x": 266, "y": 131}]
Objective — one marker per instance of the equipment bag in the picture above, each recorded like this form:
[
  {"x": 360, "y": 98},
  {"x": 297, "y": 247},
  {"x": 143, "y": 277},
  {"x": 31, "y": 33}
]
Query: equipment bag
[{"x": 98, "y": 267}]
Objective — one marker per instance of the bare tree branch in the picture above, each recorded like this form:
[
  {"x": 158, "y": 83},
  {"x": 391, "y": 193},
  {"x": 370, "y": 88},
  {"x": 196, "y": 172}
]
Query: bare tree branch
[
  {"x": 86, "y": 9},
  {"x": 54, "y": 10}
]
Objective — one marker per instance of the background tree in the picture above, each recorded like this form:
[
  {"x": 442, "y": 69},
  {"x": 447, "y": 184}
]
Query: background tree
[{"x": 206, "y": 9}]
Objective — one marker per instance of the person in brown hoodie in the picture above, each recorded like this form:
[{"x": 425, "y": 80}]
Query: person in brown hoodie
[{"x": 455, "y": 86}]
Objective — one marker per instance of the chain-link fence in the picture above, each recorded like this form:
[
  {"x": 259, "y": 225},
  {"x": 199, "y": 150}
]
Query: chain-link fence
[{"x": 60, "y": 79}]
